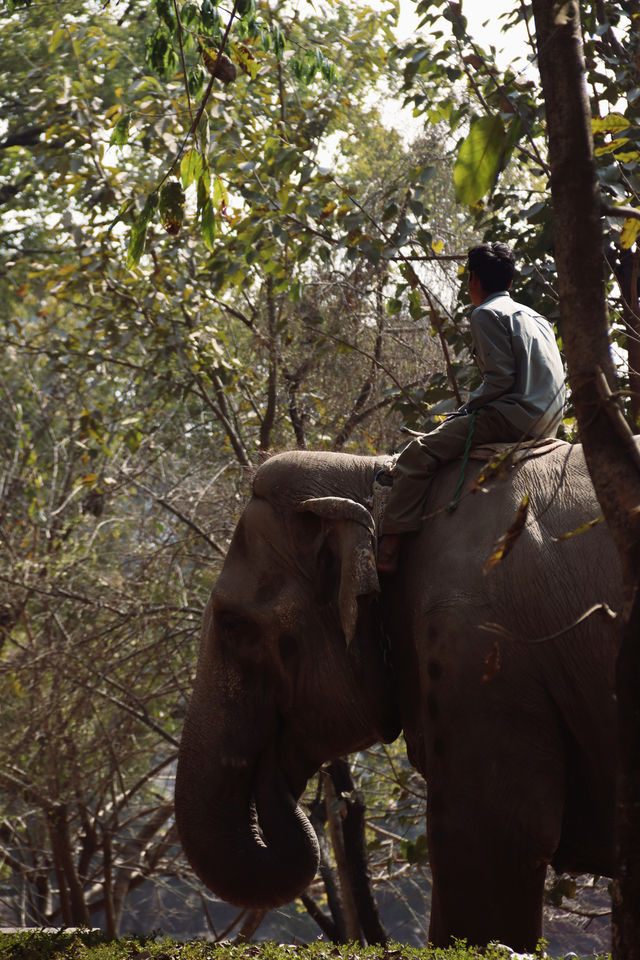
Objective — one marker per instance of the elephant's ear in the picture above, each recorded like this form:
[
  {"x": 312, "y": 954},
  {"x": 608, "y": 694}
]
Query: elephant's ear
[{"x": 354, "y": 528}]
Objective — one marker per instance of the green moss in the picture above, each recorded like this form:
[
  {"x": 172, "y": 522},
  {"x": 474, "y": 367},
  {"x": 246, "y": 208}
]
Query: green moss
[{"x": 90, "y": 945}]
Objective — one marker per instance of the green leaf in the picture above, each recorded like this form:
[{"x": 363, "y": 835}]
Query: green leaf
[
  {"x": 416, "y": 309},
  {"x": 160, "y": 54},
  {"x": 204, "y": 188},
  {"x": 56, "y": 39},
  {"x": 139, "y": 231},
  {"x": 589, "y": 525},
  {"x": 191, "y": 167},
  {"x": 277, "y": 38},
  {"x": 120, "y": 133},
  {"x": 124, "y": 209},
  {"x": 480, "y": 160},
  {"x": 210, "y": 16},
  {"x": 416, "y": 851},
  {"x": 219, "y": 193}
]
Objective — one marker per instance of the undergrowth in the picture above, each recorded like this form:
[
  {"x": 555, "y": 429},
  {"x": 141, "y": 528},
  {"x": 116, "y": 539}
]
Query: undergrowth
[{"x": 91, "y": 945}]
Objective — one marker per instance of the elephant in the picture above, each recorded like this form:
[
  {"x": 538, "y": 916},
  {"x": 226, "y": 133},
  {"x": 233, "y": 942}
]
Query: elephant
[{"x": 502, "y": 680}]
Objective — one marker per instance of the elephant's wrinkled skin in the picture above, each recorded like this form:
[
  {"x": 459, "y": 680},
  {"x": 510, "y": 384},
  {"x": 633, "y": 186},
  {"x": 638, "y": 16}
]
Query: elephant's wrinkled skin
[{"x": 519, "y": 765}]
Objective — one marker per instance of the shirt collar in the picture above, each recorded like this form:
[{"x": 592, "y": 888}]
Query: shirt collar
[{"x": 498, "y": 293}]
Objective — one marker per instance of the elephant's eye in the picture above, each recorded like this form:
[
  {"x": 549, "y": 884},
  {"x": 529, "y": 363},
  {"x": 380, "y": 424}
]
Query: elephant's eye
[
  {"x": 230, "y": 622},
  {"x": 239, "y": 634},
  {"x": 235, "y": 626}
]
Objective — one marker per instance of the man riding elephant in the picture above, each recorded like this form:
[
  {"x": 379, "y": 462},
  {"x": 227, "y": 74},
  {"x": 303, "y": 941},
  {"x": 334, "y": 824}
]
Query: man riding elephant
[{"x": 520, "y": 398}]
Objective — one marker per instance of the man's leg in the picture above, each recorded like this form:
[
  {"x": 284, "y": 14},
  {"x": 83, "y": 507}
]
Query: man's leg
[{"x": 416, "y": 466}]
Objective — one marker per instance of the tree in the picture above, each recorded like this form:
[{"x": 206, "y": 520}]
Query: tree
[
  {"x": 133, "y": 399},
  {"x": 90, "y": 674},
  {"x": 612, "y": 457}
]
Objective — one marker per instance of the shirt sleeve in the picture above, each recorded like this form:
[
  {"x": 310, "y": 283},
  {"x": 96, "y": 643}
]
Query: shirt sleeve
[{"x": 493, "y": 353}]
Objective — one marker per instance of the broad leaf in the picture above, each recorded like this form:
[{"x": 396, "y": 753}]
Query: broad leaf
[
  {"x": 612, "y": 123},
  {"x": 191, "y": 167},
  {"x": 120, "y": 133},
  {"x": 480, "y": 160},
  {"x": 629, "y": 233},
  {"x": 506, "y": 543},
  {"x": 139, "y": 231}
]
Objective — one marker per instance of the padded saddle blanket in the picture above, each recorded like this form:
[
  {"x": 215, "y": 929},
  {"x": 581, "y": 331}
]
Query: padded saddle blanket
[{"x": 520, "y": 451}]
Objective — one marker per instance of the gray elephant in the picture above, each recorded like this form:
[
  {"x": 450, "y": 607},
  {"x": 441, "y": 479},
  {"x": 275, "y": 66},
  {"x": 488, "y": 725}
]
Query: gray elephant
[{"x": 518, "y": 755}]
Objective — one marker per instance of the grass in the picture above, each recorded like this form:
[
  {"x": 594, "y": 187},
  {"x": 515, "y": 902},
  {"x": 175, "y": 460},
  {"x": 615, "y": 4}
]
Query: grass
[{"x": 90, "y": 945}]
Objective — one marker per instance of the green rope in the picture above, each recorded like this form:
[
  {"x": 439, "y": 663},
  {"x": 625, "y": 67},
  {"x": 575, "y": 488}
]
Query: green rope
[{"x": 453, "y": 504}]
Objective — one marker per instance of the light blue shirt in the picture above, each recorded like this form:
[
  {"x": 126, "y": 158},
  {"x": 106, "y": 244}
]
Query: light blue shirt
[{"x": 518, "y": 357}]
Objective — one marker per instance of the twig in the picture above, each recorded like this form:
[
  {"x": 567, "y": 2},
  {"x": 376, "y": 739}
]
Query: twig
[
  {"x": 502, "y": 632},
  {"x": 184, "y": 65},
  {"x": 177, "y": 513},
  {"x": 616, "y": 415},
  {"x": 620, "y": 211}
]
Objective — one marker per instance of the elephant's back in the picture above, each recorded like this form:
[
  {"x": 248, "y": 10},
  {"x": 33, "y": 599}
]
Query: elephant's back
[{"x": 547, "y": 563}]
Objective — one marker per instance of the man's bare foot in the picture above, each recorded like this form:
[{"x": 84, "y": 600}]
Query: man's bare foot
[{"x": 388, "y": 550}]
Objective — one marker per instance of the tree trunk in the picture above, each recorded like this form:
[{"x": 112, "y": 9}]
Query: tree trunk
[
  {"x": 611, "y": 455},
  {"x": 250, "y": 924},
  {"x": 335, "y": 926},
  {"x": 354, "y": 934},
  {"x": 357, "y": 860},
  {"x": 628, "y": 279},
  {"x": 74, "y": 908},
  {"x": 626, "y": 886},
  {"x": 111, "y": 923}
]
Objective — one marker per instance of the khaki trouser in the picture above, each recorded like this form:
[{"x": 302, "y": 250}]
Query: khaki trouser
[{"x": 421, "y": 458}]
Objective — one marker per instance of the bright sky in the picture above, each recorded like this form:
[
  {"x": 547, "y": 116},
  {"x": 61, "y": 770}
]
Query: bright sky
[{"x": 484, "y": 26}]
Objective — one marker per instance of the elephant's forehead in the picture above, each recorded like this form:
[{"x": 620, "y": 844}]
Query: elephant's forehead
[
  {"x": 259, "y": 529},
  {"x": 252, "y": 569},
  {"x": 287, "y": 479}
]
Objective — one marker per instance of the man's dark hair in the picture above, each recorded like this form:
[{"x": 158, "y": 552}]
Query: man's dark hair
[{"x": 494, "y": 264}]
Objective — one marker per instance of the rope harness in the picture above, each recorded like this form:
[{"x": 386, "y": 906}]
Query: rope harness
[{"x": 453, "y": 504}]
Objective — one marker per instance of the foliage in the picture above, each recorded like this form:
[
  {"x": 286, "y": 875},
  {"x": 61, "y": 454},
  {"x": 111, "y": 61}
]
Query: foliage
[
  {"x": 88, "y": 946},
  {"x": 157, "y": 333},
  {"x": 101, "y": 578}
]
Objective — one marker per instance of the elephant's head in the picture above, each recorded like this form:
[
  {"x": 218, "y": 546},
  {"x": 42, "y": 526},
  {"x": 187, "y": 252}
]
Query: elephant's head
[{"x": 291, "y": 673}]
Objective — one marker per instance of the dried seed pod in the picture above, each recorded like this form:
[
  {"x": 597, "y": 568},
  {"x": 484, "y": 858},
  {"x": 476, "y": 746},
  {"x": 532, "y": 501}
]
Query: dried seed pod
[
  {"x": 219, "y": 66},
  {"x": 171, "y": 206}
]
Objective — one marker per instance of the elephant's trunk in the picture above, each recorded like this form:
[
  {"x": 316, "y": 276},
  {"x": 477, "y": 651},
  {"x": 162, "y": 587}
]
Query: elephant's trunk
[{"x": 240, "y": 826}]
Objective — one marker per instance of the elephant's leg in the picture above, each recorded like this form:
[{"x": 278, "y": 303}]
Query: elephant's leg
[
  {"x": 482, "y": 902},
  {"x": 496, "y": 795}
]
